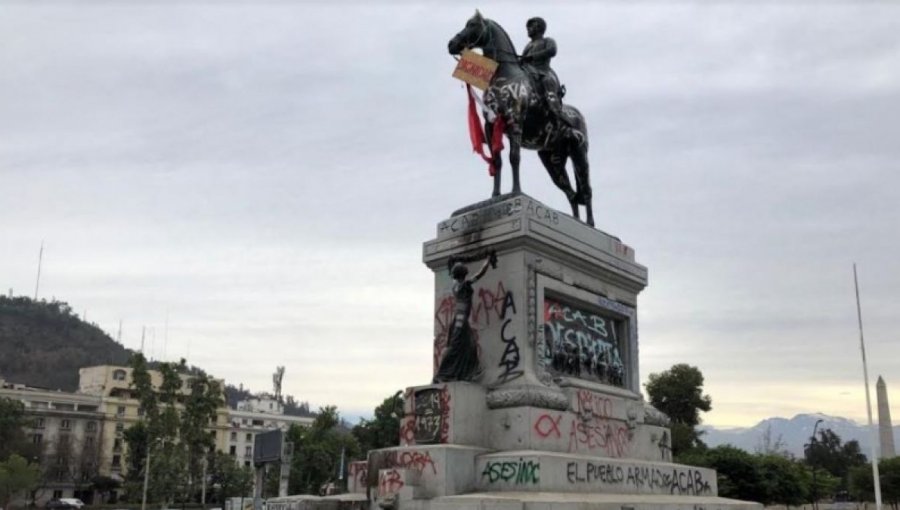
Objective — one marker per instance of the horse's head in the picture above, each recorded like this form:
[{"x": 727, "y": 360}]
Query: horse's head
[{"x": 474, "y": 35}]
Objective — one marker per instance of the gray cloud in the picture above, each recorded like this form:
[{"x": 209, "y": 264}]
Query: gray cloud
[{"x": 267, "y": 172}]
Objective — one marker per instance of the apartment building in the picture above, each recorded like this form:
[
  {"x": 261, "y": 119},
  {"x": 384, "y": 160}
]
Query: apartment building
[
  {"x": 81, "y": 434},
  {"x": 121, "y": 408},
  {"x": 67, "y": 430}
]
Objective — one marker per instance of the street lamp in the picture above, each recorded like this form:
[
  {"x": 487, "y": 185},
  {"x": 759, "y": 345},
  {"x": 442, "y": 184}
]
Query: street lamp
[
  {"x": 147, "y": 472},
  {"x": 812, "y": 442}
]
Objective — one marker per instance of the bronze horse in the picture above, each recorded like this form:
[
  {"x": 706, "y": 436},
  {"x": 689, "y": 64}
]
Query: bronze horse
[{"x": 513, "y": 94}]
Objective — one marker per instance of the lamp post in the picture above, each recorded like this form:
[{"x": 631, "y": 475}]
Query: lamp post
[
  {"x": 812, "y": 442},
  {"x": 147, "y": 472}
]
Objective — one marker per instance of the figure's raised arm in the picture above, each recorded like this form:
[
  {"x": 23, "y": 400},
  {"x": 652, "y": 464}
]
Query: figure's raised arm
[{"x": 490, "y": 262}]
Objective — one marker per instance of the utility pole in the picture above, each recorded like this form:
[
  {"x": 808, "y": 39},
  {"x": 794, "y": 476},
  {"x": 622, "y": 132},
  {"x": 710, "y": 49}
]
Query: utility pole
[
  {"x": 203, "y": 485},
  {"x": 37, "y": 283},
  {"x": 146, "y": 477}
]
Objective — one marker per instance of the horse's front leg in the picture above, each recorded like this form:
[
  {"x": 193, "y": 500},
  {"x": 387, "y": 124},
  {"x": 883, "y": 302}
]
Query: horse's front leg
[
  {"x": 514, "y": 135},
  {"x": 515, "y": 155},
  {"x": 496, "y": 159}
]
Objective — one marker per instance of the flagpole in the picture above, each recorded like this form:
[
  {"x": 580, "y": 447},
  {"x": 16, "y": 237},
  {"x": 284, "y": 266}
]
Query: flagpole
[{"x": 874, "y": 437}]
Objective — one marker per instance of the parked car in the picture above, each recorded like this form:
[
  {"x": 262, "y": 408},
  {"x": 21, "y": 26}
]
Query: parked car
[{"x": 65, "y": 504}]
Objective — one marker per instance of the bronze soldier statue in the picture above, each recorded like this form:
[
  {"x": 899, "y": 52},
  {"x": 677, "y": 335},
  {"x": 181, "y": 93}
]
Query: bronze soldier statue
[{"x": 536, "y": 57}]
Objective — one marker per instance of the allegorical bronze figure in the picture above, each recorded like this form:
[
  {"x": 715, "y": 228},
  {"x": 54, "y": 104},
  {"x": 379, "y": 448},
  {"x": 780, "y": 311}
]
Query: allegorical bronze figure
[
  {"x": 460, "y": 360},
  {"x": 557, "y": 131}
]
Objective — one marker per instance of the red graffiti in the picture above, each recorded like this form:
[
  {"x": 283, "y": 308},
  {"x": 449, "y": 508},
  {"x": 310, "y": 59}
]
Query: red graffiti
[
  {"x": 358, "y": 472},
  {"x": 599, "y": 434},
  {"x": 413, "y": 460},
  {"x": 594, "y": 404},
  {"x": 443, "y": 318},
  {"x": 389, "y": 482},
  {"x": 489, "y": 301},
  {"x": 547, "y": 425},
  {"x": 586, "y": 432},
  {"x": 552, "y": 311},
  {"x": 408, "y": 430}
]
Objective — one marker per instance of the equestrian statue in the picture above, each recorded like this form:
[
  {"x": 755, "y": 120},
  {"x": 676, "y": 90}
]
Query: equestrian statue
[{"x": 525, "y": 92}]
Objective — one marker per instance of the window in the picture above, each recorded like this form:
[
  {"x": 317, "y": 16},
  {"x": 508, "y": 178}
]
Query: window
[
  {"x": 257, "y": 423},
  {"x": 63, "y": 439},
  {"x": 119, "y": 375},
  {"x": 38, "y": 423},
  {"x": 248, "y": 451},
  {"x": 234, "y": 436},
  {"x": 120, "y": 428},
  {"x": 117, "y": 461},
  {"x": 57, "y": 494},
  {"x": 246, "y": 463},
  {"x": 232, "y": 450},
  {"x": 140, "y": 411},
  {"x": 120, "y": 411},
  {"x": 91, "y": 426},
  {"x": 89, "y": 441},
  {"x": 65, "y": 425},
  {"x": 37, "y": 438},
  {"x": 117, "y": 445},
  {"x": 249, "y": 437}
]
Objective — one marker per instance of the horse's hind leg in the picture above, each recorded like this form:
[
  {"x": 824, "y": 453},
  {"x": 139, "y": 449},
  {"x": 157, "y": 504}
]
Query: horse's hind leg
[
  {"x": 578, "y": 153},
  {"x": 555, "y": 163}
]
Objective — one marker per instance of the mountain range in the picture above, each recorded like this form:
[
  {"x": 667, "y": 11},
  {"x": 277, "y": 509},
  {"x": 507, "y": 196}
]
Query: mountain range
[{"x": 792, "y": 433}]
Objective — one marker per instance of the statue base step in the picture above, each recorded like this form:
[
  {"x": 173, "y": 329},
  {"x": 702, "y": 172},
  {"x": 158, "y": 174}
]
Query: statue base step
[{"x": 569, "y": 501}]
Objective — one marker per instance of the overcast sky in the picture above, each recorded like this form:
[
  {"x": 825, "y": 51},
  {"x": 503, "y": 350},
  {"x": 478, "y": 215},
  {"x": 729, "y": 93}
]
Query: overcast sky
[{"x": 263, "y": 175}]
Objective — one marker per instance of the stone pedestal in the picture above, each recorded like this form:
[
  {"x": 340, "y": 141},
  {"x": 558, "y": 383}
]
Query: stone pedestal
[{"x": 556, "y": 419}]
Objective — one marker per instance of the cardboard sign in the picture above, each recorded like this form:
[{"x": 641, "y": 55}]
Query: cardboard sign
[{"x": 474, "y": 69}]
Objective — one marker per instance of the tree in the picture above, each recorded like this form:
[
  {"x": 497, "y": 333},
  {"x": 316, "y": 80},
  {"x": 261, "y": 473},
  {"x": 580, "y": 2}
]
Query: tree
[
  {"x": 383, "y": 430},
  {"x": 228, "y": 478},
  {"x": 317, "y": 451},
  {"x": 827, "y": 452},
  {"x": 16, "y": 476},
  {"x": 738, "y": 473},
  {"x": 784, "y": 481},
  {"x": 862, "y": 488},
  {"x": 678, "y": 392},
  {"x": 173, "y": 431},
  {"x": 12, "y": 435}
]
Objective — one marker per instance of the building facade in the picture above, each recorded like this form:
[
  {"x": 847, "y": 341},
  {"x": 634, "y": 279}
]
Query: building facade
[
  {"x": 122, "y": 409},
  {"x": 81, "y": 435},
  {"x": 67, "y": 432},
  {"x": 252, "y": 417}
]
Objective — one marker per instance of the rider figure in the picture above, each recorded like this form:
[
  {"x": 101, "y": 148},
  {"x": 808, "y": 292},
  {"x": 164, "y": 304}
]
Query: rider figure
[{"x": 536, "y": 57}]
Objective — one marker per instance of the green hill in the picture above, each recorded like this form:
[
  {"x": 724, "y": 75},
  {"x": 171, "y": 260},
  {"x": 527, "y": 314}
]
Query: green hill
[{"x": 44, "y": 344}]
